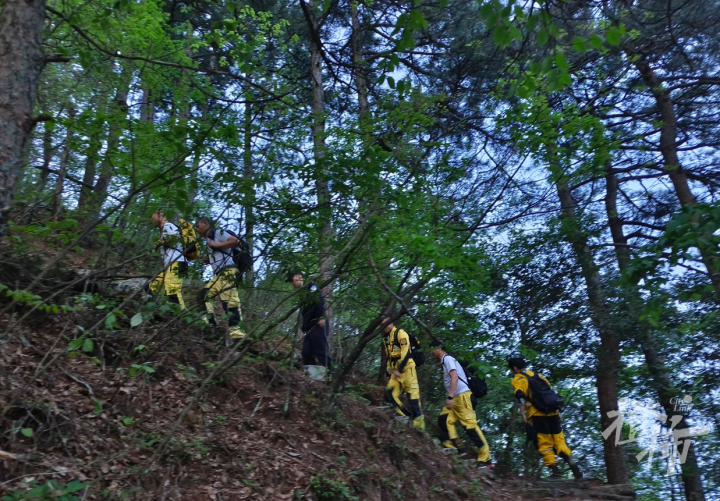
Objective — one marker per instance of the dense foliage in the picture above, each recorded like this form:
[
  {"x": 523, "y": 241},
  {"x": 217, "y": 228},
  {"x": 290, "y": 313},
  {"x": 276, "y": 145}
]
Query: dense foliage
[{"x": 509, "y": 177}]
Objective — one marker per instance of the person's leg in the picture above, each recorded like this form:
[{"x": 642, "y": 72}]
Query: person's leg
[
  {"x": 158, "y": 283},
  {"x": 410, "y": 384},
  {"x": 321, "y": 352},
  {"x": 206, "y": 295},
  {"x": 231, "y": 302},
  {"x": 173, "y": 285},
  {"x": 444, "y": 431},
  {"x": 468, "y": 419},
  {"x": 392, "y": 395},
  {"x": 562, "y": 450},
  {"x": 546, "y": 445},
  {"x": 307, "y": 351}
]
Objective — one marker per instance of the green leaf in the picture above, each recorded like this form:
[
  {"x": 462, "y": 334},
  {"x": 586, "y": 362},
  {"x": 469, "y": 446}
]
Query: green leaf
[
  {"x": 88, "y": 345},
  {"x": 136, "y": 319},
  {"x": 561, "y": 62},
  {"x": 579, "y": 44},
  {"x": 613, "y": 36},
  {"x": 391, "y": 82},
  {"x": 542, "y": 37},
  {"x": 596, "y": 41},
  {"x": 75, "y": 344},
  {"x": 28, "y": 432},
  {"x": 501, "y": 36},
  {"x": 74, "y": 486},
  {"x": 98, "y": 407}
]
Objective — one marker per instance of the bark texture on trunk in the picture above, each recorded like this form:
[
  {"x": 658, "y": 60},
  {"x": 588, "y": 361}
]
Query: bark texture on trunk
[
  {"x": 608, "y": 356},
  {"x": 248, "y": 173},
  {"x": 62, "y": 170},
  {"x": 118, "y": 112},
  {"x": 642, "y": 332},
  {"x": 359, "y": 64},
  {"x": 47, "y": 159},
  {"x": 669, "y": 150},
  {"x": 322, "y": 186},
  {"x": 21, "y": 62}
]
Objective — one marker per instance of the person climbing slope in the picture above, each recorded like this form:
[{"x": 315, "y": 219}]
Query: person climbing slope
[
  {"x": 458, "y": 407},
  {"x": 403, "y": 375},
  {"x": 540, "y": 410},
  {"x": 313, "y": 323},
  {"x": 170, "y": 280},
  {"x": 223, "y": 285}
]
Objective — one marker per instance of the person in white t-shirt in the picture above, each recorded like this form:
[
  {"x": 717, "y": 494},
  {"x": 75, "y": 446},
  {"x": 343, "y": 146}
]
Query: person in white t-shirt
[
  {"x": 171, "y": 279},
  {"x": 458, "y": 407},
  {"x": 224, "y": 284}
]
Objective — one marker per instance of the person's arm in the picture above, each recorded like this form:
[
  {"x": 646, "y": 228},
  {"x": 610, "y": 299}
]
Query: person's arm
[
  {"x": 230, "y": 243},
  {"x": 453, "y": 388},
  {"x": 405, "y": 351},
  {"x": 520, "y": 386}
]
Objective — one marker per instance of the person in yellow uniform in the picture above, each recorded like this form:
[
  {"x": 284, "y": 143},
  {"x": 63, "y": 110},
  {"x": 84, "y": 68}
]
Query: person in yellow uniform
[
  {"x": 403, "y": 376},
  {"x": 458, "y": 407},
  {"x": 170, "y": 280},
  {"x": 546, "y": 426},
  {"x": 224, "y": 284}
]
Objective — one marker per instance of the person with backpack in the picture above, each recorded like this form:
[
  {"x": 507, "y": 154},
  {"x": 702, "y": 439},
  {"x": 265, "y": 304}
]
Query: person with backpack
[
  {"x": 176, "y": 245},
  {"x": 401, "y": 366},
  {"x": 540, "y": 410},
  {"x": 223, "y": 285},
  {"x": 459, "y": 406},
  {"x": 313, "y": 323}
]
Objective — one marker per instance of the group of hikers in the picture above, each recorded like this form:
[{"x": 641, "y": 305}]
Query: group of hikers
[{"x": 229, "y": 256}]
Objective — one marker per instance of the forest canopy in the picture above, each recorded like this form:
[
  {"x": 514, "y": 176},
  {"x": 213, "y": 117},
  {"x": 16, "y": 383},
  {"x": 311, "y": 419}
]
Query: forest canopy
[{"x": 533, "y": 178}]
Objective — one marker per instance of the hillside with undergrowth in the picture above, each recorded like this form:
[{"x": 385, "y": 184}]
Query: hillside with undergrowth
[{"x": 104, "y": 419}]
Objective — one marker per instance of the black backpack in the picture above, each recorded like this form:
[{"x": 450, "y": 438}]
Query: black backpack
[
  {"x": 415, "y": 348},
  {"x": 477, "y": 385},
  {"x": 241, "y": 255},
  {"x": 542, "y": 397}
]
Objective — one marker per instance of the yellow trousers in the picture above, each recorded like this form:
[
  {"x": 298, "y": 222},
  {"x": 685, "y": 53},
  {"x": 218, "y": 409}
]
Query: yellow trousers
[
  {"x": 549, "y": 445},
  {"x": 224, "y": 287},
  {"x": 463, "y": 412},
  {"x": 170, "y": 283},
  {"x": 408, "y": 383}
]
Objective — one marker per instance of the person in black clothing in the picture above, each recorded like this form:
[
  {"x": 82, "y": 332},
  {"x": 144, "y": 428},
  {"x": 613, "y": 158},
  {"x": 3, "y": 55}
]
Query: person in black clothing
[{"x": 313, "y": 325}]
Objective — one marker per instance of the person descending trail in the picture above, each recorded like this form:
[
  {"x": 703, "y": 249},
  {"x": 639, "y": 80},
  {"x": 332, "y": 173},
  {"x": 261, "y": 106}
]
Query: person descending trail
[
  {"x": 403, "y": 375},
  {"x": 540, "y": 411},
  {"x": 223, "y": 285},
  {"x": 173, "y": 254},
  {"x": 458, "y": 407},
  {"x": 313, "y": 324}
]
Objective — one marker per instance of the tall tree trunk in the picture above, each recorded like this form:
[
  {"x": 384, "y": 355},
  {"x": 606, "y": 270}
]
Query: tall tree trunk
[
  {"x": 62, "y": 170},
  {"x": 322, "y": 186},
  {"x": 47, "y": 159},
  {"x": 359, "y": 64},
  {"x": 608, "y": 355},
  {"x": 91, "y": 160},
  {"x": 21, "y": 62},
  {"x": 118, "y": 114},
  {"x": 147, "y": 106},
  {"x": 642, "y": 331},
  {"x": 668, "y": 149},
  {"x": 248, "y": 173}
]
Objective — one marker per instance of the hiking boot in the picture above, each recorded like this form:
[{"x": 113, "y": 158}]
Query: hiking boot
[
  {"x": 573, "y": 465},
  {"x": 449, "y": 447},
  {"x": 419, "y": 423},
  {"x": 402, "y": 419},
  {"x": 484, "y": 465}
]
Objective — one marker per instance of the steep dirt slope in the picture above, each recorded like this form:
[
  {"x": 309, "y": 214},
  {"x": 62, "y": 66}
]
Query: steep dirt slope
[{"x": 96, "y": 420}]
